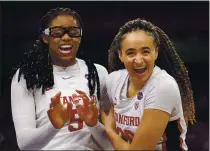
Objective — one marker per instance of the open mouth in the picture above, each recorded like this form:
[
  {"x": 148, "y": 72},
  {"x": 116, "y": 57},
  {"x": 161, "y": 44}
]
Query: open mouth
[
  {"x": 140, "y": 70},
  {"x": 65, "y": 49}
]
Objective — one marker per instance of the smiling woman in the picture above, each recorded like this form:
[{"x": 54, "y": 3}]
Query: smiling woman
[
  {"x": 138, "y": 47},
  {"x": 139, "y": 89},
  {"x": 62, "y": 50},
  {"x": 44, "y": 83}
]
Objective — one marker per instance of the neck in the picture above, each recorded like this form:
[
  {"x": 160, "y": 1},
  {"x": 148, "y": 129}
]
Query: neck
[
  {"x": 65, "y": 63},
  {"x": 134, "y": 87},
  {"x": 136, "y": 84}
]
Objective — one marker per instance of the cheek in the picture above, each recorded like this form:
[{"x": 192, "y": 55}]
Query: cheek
[
  {"x": 53, "y": 44},
  {"x": 128, "y": 63},
  {"x": 149, "y": 60},
  {"x": 77, "y": 41}
]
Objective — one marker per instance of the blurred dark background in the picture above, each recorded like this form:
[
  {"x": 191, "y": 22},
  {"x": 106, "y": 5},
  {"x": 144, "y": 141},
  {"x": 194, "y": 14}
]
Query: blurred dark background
[{"x": 186, "y": 23}]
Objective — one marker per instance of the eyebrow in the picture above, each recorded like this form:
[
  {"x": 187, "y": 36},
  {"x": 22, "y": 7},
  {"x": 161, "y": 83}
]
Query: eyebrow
[
  {"x": 130, "y": 49},
  {"x": 64, "y": 27},
  {"x": 55, "y": 27},
  {"x": 143, "y": 48}
]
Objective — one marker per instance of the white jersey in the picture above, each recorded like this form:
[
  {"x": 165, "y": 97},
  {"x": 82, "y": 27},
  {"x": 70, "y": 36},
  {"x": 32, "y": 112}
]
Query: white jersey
[
  {"x": 160, "y": 92},
  {"x": 34, "y": 130}
]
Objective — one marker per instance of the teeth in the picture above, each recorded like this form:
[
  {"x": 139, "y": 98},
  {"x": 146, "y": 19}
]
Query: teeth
[{"x": 66, "y": 47}]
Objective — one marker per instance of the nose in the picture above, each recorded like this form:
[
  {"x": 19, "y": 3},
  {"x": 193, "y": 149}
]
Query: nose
[
  {"x": 139, "y": 59},
  {"x": 66, "y": 37}
]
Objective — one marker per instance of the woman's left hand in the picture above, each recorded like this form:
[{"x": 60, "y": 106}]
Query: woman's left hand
[{"x": 88, "y": 111}]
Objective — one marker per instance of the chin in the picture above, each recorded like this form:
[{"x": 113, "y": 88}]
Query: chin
[
  {"x": 142, "y": 77},
  {"x": 67, "y": 58}
]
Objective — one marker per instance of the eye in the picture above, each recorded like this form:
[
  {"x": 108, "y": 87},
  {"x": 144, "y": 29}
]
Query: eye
[
  {"x": 129, "y": 53},
  {"x": 74, "y": 31},
  {"x": 57, "y": 31},
  {"x": 146, "y": 51}
]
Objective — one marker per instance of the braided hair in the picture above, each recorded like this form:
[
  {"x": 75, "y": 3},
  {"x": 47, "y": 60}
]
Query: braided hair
[
  {"x": 167, "y": 53},
  {"x": 36, "y": 66}
]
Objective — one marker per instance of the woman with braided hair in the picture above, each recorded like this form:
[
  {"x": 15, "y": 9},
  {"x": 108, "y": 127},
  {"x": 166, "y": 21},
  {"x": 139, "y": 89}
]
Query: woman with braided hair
[
  {"x": 46, "y": 84},
  {"x": 146, "y": 111}
]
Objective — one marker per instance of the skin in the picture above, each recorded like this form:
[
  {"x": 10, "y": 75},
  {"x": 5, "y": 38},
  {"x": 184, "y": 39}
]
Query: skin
[
  {"x": 59, "y": 115},
  {"x": 87, "y": 112},
  {"x": 137, "y": 52},
  {"x": 54, "y": 44}
]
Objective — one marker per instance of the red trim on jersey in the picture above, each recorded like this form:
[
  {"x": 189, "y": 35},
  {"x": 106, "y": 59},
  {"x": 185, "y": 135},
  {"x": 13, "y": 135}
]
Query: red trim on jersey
[
  {"x": 164, "y": 148},
  {"x": 180, "y": 130}
]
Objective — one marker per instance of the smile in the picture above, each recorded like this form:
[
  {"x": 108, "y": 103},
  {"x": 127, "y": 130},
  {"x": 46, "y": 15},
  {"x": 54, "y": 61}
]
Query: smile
[
  {"x": 65, "y": 49},
  {"x": 140, "y": 70}
]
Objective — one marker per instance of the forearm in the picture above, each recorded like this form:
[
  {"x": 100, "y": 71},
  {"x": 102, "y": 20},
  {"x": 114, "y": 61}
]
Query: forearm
[
  {"x": 117, "y": 142},
  {"x": 99, "y": 134},
  {"x": 36, "y": 138}
]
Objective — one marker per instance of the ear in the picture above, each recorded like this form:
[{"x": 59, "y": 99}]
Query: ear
[
  {"x": 156, "y": 52},
  {"x": 120, "y": 55},
  {"x": 45, "y": 38}
]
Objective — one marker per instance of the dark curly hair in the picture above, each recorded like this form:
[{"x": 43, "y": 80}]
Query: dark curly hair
[{"x": 36, "y": 66}]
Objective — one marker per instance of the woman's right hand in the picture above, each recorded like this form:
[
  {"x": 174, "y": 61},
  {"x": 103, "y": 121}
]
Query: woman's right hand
[
  {"x": 108, "y": 119},
  {"x": 58, "y": 114}
]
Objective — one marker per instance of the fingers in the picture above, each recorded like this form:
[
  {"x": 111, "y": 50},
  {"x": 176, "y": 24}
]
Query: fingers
[
  {"x": 52, "y": 105},
  {"x": 81, "y": 99},
  {"x": 84, "y": 96},
  {"x": 80, "y": 92},
  {"x": 103, "y": 114},
  {"x": 130, "y": 136},
  {"x": 53, "y": 102},
  {"x": 103, "y": 118},
  {"x": 111, "y": 111},
  {"x": 92, "y": 101},
  {"x": 56, "y": 99},
  {"x": 76, "y": 99}
]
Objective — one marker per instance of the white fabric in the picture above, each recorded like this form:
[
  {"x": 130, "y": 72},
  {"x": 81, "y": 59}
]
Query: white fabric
[
  {"x": 160, "y": 92},
  {"x": 34, "y": 130}
]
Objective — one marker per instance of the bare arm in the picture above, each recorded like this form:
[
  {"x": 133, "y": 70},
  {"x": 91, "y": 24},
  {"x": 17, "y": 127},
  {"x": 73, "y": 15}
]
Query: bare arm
[
  {"x": 159, "y": 105},
  {"x": 150, "y": 130},
  {"x": 147, "y": 135}
]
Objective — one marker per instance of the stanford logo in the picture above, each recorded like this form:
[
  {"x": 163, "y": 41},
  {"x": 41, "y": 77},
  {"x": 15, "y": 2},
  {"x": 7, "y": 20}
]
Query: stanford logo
[{"x": 136, "y": 105}]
